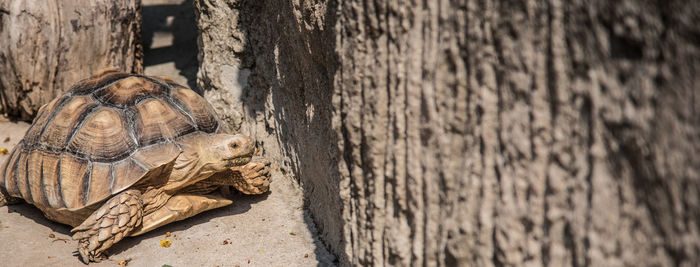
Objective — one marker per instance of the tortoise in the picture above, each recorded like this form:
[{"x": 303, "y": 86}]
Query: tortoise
[{"x": 121, "y": 154}]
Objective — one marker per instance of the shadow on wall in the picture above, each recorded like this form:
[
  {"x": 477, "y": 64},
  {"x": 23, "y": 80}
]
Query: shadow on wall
[
  {"x": 291, "y": 51},
  {"x": 169, "y": 34}
]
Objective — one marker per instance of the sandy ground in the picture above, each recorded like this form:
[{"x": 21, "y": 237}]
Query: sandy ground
[{"x": 266, "y": 230}]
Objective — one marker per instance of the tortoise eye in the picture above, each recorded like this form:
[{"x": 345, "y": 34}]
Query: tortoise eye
[{"x": 234, "y": 145}]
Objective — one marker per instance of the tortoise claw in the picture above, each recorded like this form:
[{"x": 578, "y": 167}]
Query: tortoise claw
[
  {"x": 254, "y": 177},
  {"x": 87, "y": 256}
]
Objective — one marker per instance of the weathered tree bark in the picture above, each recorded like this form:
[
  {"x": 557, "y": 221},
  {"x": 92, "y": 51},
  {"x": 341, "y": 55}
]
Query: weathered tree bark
[
  {"x": 474, "y": 133},
  {"x": 47, "y": 46}
]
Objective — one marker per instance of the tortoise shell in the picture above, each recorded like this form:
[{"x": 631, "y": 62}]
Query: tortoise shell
[{"x": 103, "y": 136}]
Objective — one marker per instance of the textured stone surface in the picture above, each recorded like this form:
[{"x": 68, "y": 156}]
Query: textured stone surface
[
  {"x": 50, "y": 45},
  {"x": 268, "y": 72},
  {"x": 473, "y": 133}
]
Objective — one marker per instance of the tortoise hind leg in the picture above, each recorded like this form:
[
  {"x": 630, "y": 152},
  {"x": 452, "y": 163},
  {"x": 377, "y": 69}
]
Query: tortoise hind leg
[
  {"x": 6, "y": 199},
  {"x": 107, "y": 225}
]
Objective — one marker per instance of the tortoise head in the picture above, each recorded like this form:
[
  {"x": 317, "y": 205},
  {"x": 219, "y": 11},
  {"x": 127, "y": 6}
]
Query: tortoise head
[{"x": 222, "y": 151}]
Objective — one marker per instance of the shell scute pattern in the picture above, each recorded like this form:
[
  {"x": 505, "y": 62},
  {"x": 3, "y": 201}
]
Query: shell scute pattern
[
  {"x": 198, "y": 109},
  {"x": 157, "y": 121},
  {"x": 128, "y": 91},
  {"x": 49, "y": 178},
  {"x": 45, "y": 113},
  {"x": 57, "y": 133},
  {"x": 101, "y": 137},
  {"x": 98, "y": 80}
]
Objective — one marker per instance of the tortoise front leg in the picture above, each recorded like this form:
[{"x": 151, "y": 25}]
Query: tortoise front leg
[
  {"x": 251, "y": 179},
  {"x": 108, "y": 224},
  {"x": 179, "y": 207}
]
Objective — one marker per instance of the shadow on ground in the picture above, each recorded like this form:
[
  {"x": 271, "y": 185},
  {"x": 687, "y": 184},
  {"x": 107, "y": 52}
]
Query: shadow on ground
[
  {"x": 169, "y": 38},
  {"x": 241, "y": 204}
]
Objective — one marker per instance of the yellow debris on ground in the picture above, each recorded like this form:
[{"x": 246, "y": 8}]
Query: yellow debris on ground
[{"x": 165, "y": 243}]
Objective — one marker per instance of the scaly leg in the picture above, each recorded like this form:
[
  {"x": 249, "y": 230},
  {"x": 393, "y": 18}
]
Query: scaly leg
[
  {"x": 252, "y": 178},
  {"x": 108, "y": 224},
  {"x": 6, "y": 199}
]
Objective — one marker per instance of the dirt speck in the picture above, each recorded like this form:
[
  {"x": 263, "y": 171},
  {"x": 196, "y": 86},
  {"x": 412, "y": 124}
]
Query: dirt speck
[
  {"x": 165, "y": 242},
  {"x": 60, "y": 239}
]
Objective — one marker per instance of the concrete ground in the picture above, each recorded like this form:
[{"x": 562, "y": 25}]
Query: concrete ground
[{"x": 266, "y": 230}]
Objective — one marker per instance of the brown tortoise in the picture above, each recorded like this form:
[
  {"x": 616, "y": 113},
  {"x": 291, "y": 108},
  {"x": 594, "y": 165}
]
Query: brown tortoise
[{"x": 122, "y": 154}]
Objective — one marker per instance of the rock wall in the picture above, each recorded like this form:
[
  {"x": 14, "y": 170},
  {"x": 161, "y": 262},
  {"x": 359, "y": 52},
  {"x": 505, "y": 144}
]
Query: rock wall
[
  {"x": 47, "y": 46},
  {"x": 473, "y": 133},
  {"x": 268, "y": 68}
]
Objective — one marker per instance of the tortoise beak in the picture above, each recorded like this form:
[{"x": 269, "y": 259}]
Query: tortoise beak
[{"x": 240, "y": 160}]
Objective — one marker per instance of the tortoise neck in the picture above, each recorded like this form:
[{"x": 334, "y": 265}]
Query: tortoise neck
[{"x": 191, "y": 166}]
